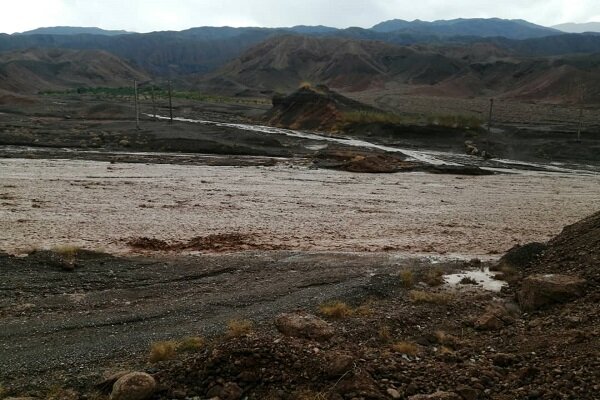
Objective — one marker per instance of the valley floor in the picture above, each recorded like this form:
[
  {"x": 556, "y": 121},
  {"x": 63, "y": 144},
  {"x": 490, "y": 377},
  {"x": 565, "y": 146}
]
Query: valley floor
[{"x": 286, "y": 206}]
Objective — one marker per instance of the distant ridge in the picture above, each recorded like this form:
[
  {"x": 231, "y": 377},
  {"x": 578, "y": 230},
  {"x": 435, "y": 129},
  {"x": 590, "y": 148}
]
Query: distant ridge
[
  {"x": 73, "y": 30},
  {"x": 482, "y": 27},
  {"x": 578, "y": 28}
]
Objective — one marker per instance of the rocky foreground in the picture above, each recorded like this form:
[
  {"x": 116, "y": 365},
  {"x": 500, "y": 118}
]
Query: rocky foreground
[{"x": 538, "y": 338}]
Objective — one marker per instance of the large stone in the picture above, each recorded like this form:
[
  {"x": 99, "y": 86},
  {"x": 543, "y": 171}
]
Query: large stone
[
  {"x": 303, "y": 325},
  {"x": 539, "y": 291},
  {"x": 133, "y": 386},
  {"x": 436, "y": 396}
]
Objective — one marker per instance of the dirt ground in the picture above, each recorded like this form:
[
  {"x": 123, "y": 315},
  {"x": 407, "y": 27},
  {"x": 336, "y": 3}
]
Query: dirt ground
[{"x": 101, "y": 206}]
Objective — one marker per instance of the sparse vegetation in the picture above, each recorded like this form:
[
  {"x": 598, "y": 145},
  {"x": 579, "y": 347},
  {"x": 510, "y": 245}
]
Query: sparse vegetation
[
  {"x": 67, "y": 251},
  {"x": 385, "y": 334},
  {"x": 467, "y": 280},
  {"x": 60, "y": 393},
  {"x": 191, "y": 344},
  {"x": 420, "y": 296},
  {"x": 407, "y": 278},
  {"x": 369, "y": 116},
  {"x": 145, "y": 94},
  {"x": 455, "y": 121},
  {"x": 336, "y": 310},
  {"x": 408, "y": 348},
  {"x": 434, "y": 277},
  {"x": 3, "y": 392},
  {"x": 162, "y": 351},
  {"x": 447, "y": 340},
  {"x": 309, "y": 395},
  {"x": 239, "y": 327}
]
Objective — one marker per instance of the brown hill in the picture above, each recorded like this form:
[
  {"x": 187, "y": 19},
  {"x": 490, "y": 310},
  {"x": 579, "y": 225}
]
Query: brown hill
[
  {"x": 566, "y": 80},
  {"x": 313, "y": 109},
  {"x": 32, "y": 71},
  {"x": 283, "y": 63}
]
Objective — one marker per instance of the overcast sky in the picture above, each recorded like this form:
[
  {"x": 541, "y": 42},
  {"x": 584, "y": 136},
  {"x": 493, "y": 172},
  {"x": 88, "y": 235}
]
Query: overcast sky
[{"x": 152, "y": 15}]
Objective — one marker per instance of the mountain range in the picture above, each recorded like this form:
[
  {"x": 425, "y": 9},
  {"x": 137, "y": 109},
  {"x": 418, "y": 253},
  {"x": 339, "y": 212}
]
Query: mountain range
[
  {"x": 579, "y": 28},
  {"x": 463, "y": 57}
]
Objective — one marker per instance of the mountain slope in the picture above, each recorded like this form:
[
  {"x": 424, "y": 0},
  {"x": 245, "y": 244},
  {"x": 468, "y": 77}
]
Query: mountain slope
[
  {"x": 73, "y": 30},
  {"x": 32, "y": 71},
  {"x": 578, "y": 28},
  {"x": 492, "y": 27},
  {"x": 284, "y": 63}
]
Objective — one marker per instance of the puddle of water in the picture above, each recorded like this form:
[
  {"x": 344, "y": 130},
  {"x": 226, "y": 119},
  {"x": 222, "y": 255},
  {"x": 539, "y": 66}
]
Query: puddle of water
[{"x": 484, "y": 278}]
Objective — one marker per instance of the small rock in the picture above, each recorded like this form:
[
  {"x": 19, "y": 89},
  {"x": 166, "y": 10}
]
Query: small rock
[
  {"x": 337, "y": 364},
  {"x": 436, "y": 396},
  {"x": 504, "y": 360},
  {"x": 394, "y": 393},
  {"x": 467, "y": 392},
  {"x": 133, "y": 386},
  {"x": 231, "y": 391},
  {"x": 303, "y": 325},
  {"x": 539, "y": 291}
]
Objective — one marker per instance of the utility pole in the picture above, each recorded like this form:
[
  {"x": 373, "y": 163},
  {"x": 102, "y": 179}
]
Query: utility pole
[
  {"x": 170, "y": 103},
  {"x": 580, "y": 125},
  {"x": 489, "y": 127},
  {"x": 153, "y": 101},
  {"x": 137, "y": 106}
]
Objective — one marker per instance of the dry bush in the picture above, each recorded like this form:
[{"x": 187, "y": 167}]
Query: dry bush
[
  {"x": 336, "y": 309},
  {"x": 447, "y": 340},
  {"x": 434, "y": 277},
  {"x": 162, "y": 351},
  {"x": 385, "y": 334},
  {"x": 420, "y": 296},
  {"x": 308, "y": 394},
  {"x": 67, "y": 251},
  {"x": 191, "y": 344},
  {"x": 365, "y": 309},
  {"x": 239, "y": 327},
  {"x": 59, "y": 393},
  {"x": 407, "y": 278},
  {"x": 408, "y": 348},
  {"x": 445, "y": 351}
]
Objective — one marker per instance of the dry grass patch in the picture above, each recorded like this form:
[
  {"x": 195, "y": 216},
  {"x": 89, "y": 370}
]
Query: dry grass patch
[
  {"x": 385, "y": 334},
  {"x": 59, "y": 393},
  {"x": 308, "y": 394},
  {"x": 239, "y": 327},
  {"x": 407, "y": 278},
  {"x": 191, "y": 344},
  {"x": 336, "y": 310},
  {"x": 162, "y": 351},
  {"x": 408, "y": 348},
  {"x": 448, "y": 340},
  {"x": 434, "y": 277},
  {"x": 420, "y": 296},
  {"x": 67, "y": 251}
]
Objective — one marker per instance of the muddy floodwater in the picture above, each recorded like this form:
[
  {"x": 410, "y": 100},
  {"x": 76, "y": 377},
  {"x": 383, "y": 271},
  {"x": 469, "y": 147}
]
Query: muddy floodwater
[{"x": 100, "y": 206}]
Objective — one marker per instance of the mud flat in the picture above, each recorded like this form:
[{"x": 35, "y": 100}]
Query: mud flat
[{"x": 288, "y": 206}]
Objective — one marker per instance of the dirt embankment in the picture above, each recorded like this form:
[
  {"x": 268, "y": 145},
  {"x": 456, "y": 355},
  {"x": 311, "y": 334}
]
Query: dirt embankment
[{"x": 396, "y": 332}]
